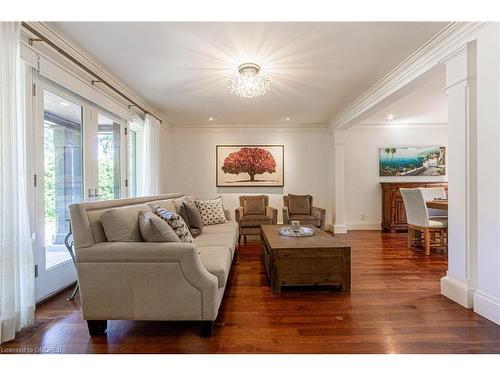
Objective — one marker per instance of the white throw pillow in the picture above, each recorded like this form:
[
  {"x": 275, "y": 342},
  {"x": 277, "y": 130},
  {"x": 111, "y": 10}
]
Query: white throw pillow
[{"x": 211, "y": 211}]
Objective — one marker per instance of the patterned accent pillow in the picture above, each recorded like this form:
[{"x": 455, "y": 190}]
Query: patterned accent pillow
[
  {"x": 176, "y": 223},
  {"x": 211, "y": 211}
]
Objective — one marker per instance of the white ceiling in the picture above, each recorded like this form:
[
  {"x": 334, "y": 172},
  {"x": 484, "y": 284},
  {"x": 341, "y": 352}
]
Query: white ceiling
[
  {"x": 316, "y": 69},
  {"x": 425, "y": 104}
]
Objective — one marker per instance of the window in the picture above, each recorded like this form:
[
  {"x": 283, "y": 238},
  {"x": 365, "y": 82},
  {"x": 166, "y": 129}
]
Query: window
[
  {"x": 63, "y": 171},
  {"x": 136, "y": 134},
  {"x": 108, "y": 158},
  {"x": 133, "y": 163}
]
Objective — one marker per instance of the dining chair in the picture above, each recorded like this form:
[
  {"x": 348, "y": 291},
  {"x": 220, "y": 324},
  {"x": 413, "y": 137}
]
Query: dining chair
[
  {"x": 419, "y": 221},
  {"x": 431, "y": 194}
]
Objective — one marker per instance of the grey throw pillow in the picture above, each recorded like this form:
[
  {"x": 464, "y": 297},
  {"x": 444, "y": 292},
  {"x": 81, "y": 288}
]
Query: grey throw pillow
[
  {"x": 176, "y": 223},
  {"x": 191, "y": 216},
  {"x": 154, "y": 229}
]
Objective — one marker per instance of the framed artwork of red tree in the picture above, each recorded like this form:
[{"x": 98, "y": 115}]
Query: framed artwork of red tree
[{"x": 249, "y": 165}]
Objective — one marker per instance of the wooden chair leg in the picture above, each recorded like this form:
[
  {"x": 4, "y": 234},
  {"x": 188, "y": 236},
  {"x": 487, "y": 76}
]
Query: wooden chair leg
[
  {"x": 427, "y": 239},
  {"x": 410, "y": 237}
]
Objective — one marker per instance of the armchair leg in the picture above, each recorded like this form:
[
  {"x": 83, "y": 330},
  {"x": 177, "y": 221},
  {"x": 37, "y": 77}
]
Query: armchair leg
[
  {"x": 97, "y": 327},
  {"x": 207, "y": 328}
]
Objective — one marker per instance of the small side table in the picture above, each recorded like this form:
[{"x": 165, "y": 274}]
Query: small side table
[{"x": 71, "y": 250}]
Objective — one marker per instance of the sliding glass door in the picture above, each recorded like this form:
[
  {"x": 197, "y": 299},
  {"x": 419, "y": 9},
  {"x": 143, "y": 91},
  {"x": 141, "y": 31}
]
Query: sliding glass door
[
  {"x": 109, "y": 158},
  {"x": 79, "y": 157}
]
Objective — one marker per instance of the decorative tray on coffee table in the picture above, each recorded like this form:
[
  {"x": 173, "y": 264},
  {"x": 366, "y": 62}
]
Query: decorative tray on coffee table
[{"x": 301, "y": 232}]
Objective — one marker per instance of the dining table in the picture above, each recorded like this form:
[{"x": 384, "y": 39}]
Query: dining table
[{"x": 440, "y": 204}]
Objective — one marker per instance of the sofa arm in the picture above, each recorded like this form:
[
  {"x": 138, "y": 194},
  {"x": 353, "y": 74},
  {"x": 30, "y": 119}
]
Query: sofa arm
[
  {"x": 145, "y": 281},
  {"x": 272, "y": 213},
  {"x": 320, "y": 213},
  {"x": 238, "y": 214},
  {"x": 286, "y": 216},
  {"x": 136, "y": 252}
]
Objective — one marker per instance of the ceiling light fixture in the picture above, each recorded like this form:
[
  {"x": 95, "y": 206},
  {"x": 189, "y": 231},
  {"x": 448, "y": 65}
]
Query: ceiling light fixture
[
  {"x": 249, "y": 83},
  {"x": 287, "y": 119},
  {"x": 210, "y": 119},
  {"x": 390, "y": 117}
]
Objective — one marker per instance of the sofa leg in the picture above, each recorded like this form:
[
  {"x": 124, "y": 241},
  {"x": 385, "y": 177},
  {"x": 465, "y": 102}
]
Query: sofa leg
[
  {"x": 207, "y": 328},
  {"x": 97, "y": 327}
]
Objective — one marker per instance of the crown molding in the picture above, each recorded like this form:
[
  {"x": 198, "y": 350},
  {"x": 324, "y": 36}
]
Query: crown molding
[
  {"x": 70, "y": 47},
  {"x": 452, "y": 38},
  {"x": 401, "y": 126},
  {"x": 250, "y": 128}
]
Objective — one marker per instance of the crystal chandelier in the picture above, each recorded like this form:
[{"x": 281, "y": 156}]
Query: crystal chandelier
[{"x": 249, "y": 84}]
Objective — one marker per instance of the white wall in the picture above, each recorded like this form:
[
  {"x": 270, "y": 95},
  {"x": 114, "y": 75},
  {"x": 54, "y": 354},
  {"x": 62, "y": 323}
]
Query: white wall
[
  {"x": 487, "y": 295},
  {"x": 190, "y": 164},
  {"x": 362, "y": 181}
]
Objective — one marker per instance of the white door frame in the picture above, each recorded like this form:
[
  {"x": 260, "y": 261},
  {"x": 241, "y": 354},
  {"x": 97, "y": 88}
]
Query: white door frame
[{"x": 59, "y": 277}]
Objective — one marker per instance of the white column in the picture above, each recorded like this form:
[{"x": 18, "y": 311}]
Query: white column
[
  {"x": 461, "y": 279},
  {"x": 487, "y": 295},
  {"x": 337, "y": 145}
]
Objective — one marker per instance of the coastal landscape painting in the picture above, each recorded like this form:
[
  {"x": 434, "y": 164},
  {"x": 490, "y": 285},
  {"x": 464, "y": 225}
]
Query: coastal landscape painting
[{"x": 412, "y": 161}]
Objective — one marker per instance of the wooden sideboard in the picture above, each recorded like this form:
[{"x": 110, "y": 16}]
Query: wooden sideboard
[{"x": 393, "y": 208}]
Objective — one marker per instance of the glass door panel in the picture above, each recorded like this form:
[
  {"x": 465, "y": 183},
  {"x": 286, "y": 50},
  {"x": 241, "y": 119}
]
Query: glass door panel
[
  {"x": 79, "y": 156},
  {"x": 132, "y": 152},
  {"x": 63, "y": 171},
  {"x": 108, "y": 158}
]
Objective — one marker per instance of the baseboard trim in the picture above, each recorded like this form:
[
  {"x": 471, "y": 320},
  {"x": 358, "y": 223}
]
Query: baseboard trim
[
  {"x": 340, "y": 228},
  {"x": 363, "y": 225},
  {"x": 487, "y": 306},
  {"x": 457, "y": 291}
]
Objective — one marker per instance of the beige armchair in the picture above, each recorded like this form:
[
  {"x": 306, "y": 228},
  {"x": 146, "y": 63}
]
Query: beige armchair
[
  {"x": 300, "y": 207},
  {"x": 253, "y": 212}
]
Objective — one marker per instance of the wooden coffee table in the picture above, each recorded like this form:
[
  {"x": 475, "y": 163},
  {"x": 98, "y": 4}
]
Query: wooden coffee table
[{"x": 303, "y": 261}]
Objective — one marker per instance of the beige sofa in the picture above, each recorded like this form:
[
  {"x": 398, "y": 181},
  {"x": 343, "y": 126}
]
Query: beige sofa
[{"x": 149, "y": 280}]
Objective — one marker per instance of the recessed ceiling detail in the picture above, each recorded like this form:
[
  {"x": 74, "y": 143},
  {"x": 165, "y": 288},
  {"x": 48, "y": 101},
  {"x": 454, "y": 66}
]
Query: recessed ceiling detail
[{"x": 316, "y": 68}]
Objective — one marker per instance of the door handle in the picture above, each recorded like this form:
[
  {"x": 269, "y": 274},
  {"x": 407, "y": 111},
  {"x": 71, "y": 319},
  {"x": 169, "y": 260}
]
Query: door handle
[{"x": 96, "y": 193}]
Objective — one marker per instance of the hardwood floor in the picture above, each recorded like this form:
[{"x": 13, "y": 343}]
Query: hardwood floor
[{"x": 394, "y": 307}]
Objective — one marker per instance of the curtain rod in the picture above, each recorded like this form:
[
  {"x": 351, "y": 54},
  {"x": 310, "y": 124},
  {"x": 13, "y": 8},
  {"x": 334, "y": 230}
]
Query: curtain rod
[{"x": 42, "y": 38}]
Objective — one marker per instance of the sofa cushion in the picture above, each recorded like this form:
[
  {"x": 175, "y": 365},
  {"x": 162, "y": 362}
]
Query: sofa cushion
[
  {"x": 155, "y": 229},
  {"x": 178, "y": 201},
  {"x": 254, "y": 205},
  {"x": 229, "y": 228},
  {"x": 248, "y": 221},
  {"x": 216, "y": 239},
  {"x": 219, "y": 239},
  {"x": 167, "y": 204},
  {"x": 176, "y": 223},
  {"x": 299, "y": 204},
  {"x": 191, "y": 215},
  {"x": 217, "y": 260},
  {"x": 211, "y": 211},
  {"x": 307, "y": 219},
  {"x": 122, "y": 223}
]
